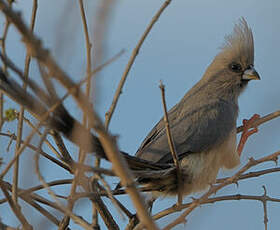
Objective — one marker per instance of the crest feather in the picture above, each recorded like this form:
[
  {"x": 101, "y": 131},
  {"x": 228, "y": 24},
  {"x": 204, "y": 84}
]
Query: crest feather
[{"x": 240, "y": 42}]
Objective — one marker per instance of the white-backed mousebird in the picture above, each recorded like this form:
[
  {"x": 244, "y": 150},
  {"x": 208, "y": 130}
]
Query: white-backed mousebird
[{"x": 203, "y": 123}]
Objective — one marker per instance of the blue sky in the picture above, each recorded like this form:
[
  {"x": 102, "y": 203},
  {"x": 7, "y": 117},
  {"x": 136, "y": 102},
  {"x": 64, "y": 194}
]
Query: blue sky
[{"x": 177, "y": 51}]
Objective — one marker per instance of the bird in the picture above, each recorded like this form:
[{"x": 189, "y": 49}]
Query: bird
[{"x": 202, "y": 123}]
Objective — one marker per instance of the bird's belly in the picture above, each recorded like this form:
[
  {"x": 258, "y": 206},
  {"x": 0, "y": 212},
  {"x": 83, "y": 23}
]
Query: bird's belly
[
  {"x": 203, "y": 169},
  {"x": 199, "y": 170}
]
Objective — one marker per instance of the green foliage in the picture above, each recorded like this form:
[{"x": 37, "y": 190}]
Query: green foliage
[{"x": 10, "y": 114}]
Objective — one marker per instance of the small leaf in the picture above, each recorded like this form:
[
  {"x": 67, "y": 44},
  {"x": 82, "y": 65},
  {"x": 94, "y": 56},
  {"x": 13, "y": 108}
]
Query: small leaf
[{"x": 10, "y": 114}]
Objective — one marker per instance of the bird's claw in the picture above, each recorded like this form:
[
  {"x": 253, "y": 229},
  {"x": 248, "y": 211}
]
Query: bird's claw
[
  {"x": 248, "y": 130},
  {"x": 249, "y": 123}
]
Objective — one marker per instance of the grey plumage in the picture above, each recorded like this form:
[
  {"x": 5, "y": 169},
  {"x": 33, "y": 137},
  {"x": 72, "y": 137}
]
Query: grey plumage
[
  {"x": 202, "y": 123},
  {"x": 205, "y": 118}
]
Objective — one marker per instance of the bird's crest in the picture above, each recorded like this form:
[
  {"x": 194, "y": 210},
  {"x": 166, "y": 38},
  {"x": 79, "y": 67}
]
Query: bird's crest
[{"x": 240, "y": 42}]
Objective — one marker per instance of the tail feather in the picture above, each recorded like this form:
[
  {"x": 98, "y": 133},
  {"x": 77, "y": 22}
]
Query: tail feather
[{"x": 61, "y": 121}]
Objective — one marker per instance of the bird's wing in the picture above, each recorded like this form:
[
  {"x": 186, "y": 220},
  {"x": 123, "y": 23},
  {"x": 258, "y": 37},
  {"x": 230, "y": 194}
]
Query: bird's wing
[
  {"x": 160, "y": 126},
  {"x": 204, "y": 126},
  {"x": 158, "y": 129}
]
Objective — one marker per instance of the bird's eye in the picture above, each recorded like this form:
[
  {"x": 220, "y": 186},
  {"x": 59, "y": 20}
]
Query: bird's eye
[{"x": 235, "y": 67}]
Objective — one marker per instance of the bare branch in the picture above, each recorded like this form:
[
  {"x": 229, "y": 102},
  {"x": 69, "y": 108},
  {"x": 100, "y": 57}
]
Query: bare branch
[
  {"x": 131, "y": 61},
  {"x": 21, "y": 113},
  {"x": 15, "y": 208},
  {"x": 252, "y": 174},
  {"x": 6, "y": 227},
  {"x": 172, "y": 145},
  {"x": 261, "y": 120},
  {"x": 264, "y": 201},
  {"x": 3, "y": 47},
  {"x": 237, "y": 197},
  {"x": 214, "y": 188}
]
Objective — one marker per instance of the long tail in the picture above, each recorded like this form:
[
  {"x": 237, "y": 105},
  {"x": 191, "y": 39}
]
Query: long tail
[{"x": 61, "y": 120}]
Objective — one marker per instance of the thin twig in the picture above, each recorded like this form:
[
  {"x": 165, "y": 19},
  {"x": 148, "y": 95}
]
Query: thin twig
[
  {"x": 83, "y": 167},
  {"x": 43, "y": 56},
  {"x": 225, "y": 181},
  {"x": 88, "y": 47},
  {"x": 3, "y": 47},
  {"x": 38, "y": 187},
  {"x": 18, "y": 153},
  {"x": 15, "y": 208},
  {"x": 172, "y": 145},
  {"x": 100, "y": 27},
  {"x": 82, "y": 155},
  {"x": 51, "y": 147},
  {"x": 28, "y": 139},
  {"x": 252, "y": 174},
  {"x": 174, "y": 209},
  {"x": 110, "y": 194},
  {"x": 40, "y": 209},
  {"x": 71, "y": 202},
  {"x": 214, "y": 188},
  {"x": 127, "y": 180},
  {"x": 79, "y": 220},
  {"x": 66, "y": 157},
  {"x": 102, "y": 210},
  {"x": 119, "y": 164},
  {"x": 107, "y": 193},
  {"x": 44, "y": 154},
  {"x": 261, "y": 120},
  {"x": 131, "y": 61},
  {"x": 6, "y": 227},
  {"x": 264, "y": 201},
  {"x": 94, "y": 224},
  {"x": 32, "y": 200},
  {"x": 21, "y": 113}
]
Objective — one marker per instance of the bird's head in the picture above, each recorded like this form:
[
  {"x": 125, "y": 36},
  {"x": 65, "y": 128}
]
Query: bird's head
[{"x": 233, "y": 67}]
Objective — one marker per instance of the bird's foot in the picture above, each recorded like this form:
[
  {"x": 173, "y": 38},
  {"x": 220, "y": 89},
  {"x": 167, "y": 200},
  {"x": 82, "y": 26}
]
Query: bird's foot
[{"x": 247, "y": 131}]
